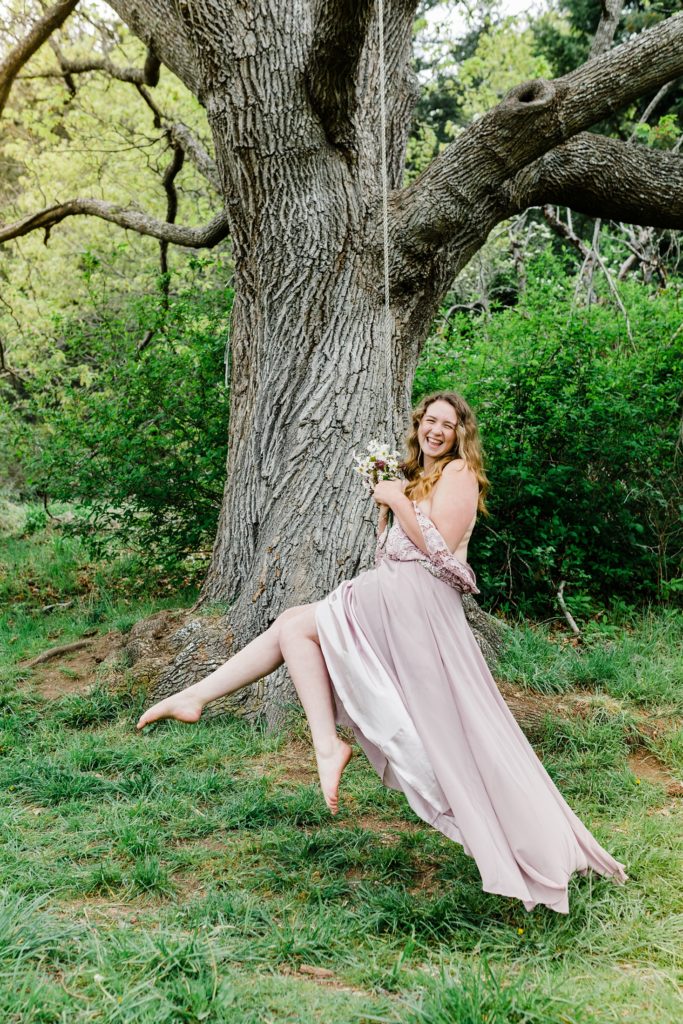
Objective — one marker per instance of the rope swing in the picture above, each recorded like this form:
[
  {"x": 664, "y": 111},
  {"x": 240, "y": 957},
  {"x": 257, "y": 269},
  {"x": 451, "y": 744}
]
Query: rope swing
[{"x": 385, "y": 194}]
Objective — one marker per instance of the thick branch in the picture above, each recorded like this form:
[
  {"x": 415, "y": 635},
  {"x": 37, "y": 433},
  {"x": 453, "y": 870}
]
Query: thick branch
[
  {"x": 80, "y": 67},
  {"x": 135, "y": 220},
  {"x": 436, "y": 220},
  {"x": 158, "y": 24},
  {"x": 607, "y": 26},
  {"x": 146, "y": 75},
  {"x": 340, "y": 68},
  {"x": 23, "y": 51},
  {"x": 606, "y": 178}
]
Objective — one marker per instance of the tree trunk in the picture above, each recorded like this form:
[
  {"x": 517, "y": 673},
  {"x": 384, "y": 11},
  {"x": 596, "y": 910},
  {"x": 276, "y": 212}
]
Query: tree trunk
[
  {"x": 314, "y": 373},
  {"x": 310, "y": 372},
  {"x": 312, "y": 380}
]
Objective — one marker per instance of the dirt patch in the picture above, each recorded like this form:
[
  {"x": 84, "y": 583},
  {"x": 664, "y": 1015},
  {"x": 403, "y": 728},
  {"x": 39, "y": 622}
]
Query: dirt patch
[
  {"x": 294, "y": 762},
  {"x": 146, "y": 648},
  {"x": 386, "y": 829},
  {"x": 526, "y": 704},
  {"x": 74, "y": 671},
  {"x": 187, "y": 886},
  {"x": 89, "y": 909},
  {"x": 646, "y": 765},
  {"x": 653, "y": 728},
  {"x": 531, "y": 708},
  {"x": 323, "y": 976}
]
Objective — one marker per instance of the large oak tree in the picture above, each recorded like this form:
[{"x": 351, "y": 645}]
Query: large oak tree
[{"x": 291, "y": 91}]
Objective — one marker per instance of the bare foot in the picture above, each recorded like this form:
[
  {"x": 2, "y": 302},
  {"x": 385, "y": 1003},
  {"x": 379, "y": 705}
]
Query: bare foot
[
  {"x": 330, "y": 768},
  {"x": 182, "y": 706}
]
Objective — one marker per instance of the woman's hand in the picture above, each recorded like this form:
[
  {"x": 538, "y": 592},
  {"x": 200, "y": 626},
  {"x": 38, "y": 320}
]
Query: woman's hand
[{"x": 388, "y": 492}]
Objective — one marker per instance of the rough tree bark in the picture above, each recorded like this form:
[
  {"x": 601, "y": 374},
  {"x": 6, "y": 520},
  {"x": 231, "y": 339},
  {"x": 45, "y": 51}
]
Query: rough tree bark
[{"x": 291, "y": 93}]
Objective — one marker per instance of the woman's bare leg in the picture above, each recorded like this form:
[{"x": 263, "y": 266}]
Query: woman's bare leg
[
  {"x": 293, "y": 638},
  {"x": 258, "y": 659},
  {"x": 301, "y": 650}
]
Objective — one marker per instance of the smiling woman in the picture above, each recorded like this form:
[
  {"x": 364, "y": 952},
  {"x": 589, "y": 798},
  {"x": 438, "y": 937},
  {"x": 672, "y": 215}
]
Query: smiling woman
[
  {"x": 390, "y": 655},
  {"x": 444, "y": 469}
]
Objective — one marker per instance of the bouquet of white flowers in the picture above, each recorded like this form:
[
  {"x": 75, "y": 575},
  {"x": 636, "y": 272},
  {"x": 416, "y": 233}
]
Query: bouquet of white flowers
[{"x": 378, "y": 463}]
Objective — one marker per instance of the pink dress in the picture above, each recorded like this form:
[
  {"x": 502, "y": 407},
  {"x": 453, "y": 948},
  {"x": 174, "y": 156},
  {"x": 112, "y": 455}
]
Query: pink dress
[{"x": 410, "y": 680}]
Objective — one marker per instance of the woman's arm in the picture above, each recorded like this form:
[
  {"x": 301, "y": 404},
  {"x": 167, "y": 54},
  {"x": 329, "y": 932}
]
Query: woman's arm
[
  {"x": 390, "y": 492},
  {"x": 405, "y": 513},
  {"x": 455, "y": 502},
  {"x": 383, "y": 519}
]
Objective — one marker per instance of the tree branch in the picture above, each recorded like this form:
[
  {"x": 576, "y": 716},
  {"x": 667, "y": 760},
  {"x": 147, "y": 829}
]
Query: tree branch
[
  {"x": 146, "y": 75},
  {"x": 172, "y": 171},
  {"x": 344, "y": 40},
  {"x": 23, "y": 51},
  {"x": 158, "y": 24},
  {"x": 179, "y": 133},
  {"x": 436, "y": 221},
  {"x": 134, "y": 220},
  {"x": 607, "y": 27},
  {"x": 604, "y": 177},
  {"x": 651, "y": 107},
  {"x": 80, "y": 67}
]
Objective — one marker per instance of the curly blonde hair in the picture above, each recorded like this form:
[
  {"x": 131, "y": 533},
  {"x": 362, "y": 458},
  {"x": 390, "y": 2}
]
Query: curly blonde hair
[{"x": 467, "y": 446}]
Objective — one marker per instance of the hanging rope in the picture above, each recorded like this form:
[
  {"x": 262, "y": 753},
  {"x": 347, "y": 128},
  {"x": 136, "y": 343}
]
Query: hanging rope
[{"x": 385, "y": 195}]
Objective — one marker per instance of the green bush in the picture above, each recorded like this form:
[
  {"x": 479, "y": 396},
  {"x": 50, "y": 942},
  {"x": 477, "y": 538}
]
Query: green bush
[
  {"x": 136, "y": 437},
  {"x": 580, "y": 426}
]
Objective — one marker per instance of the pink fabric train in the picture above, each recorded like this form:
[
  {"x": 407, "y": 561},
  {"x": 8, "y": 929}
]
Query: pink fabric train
[{"x": 409, "y": 679}]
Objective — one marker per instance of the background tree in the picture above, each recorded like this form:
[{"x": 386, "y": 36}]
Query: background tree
[{"x": 291, "y": 98}]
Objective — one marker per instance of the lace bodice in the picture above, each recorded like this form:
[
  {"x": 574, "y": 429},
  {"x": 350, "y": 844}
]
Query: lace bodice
[{"x": 396, "y": 545}]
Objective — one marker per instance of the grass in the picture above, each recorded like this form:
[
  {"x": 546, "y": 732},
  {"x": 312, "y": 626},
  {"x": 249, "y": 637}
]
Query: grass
[
  {"x": 182, "y": 876},
  {"x": 50, "y": 569},
  {"x": 639, "y": 660}
]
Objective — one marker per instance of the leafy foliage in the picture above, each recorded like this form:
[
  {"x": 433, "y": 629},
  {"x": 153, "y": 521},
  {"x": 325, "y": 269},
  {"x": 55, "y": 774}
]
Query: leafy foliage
[
  {"x": 94, "y": 137},
  {"x": 581, "y": 428},
  {"x": 137, "y": 438}
]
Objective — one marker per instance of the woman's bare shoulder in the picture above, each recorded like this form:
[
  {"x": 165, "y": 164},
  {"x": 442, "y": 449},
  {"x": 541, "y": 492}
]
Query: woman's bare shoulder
[
  {"x": 454, "y": 466},
  {"x": 458, "y": 482}
]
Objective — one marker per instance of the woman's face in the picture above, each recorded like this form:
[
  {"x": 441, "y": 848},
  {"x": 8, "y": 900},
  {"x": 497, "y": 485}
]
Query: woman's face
[{"x": 436, "y": 432}]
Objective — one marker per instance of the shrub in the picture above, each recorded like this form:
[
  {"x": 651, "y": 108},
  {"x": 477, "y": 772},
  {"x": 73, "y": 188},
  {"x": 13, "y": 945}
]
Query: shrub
[
  {"x": 580, "y": 427},
  {"x": 137, "y": 437}
]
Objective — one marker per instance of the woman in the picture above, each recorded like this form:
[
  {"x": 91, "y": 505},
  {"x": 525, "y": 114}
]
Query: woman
[{"x": 391, "y": 655}]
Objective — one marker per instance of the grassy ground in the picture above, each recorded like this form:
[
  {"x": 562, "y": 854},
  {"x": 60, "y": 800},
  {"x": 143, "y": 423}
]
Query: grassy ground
[{"x": 193, "y": 874}]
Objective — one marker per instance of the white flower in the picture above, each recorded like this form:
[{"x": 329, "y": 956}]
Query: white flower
[{"x": 378, "y": 463}]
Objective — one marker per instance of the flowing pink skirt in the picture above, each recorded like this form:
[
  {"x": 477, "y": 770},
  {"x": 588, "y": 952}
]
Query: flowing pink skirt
[{"x": 410, "y": 680}]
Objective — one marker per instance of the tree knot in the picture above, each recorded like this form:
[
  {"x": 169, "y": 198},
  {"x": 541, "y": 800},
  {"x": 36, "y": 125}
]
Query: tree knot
[{"x": 537, "y": 93}]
